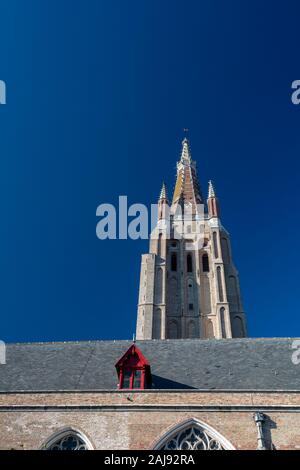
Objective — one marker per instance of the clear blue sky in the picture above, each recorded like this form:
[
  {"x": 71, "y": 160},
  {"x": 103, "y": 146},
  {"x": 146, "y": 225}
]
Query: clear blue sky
[{"x": 98, "y": 93}]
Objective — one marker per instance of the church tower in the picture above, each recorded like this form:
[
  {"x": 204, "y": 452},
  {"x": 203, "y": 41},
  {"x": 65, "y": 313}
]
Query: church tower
[{"x": 189, "y": 286}]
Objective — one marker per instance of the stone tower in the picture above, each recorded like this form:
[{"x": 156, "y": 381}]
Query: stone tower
[{"x": 189, "y": 286}]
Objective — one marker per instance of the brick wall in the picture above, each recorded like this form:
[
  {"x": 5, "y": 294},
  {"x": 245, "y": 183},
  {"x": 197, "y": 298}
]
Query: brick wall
[{"x": 121, "y": 420}]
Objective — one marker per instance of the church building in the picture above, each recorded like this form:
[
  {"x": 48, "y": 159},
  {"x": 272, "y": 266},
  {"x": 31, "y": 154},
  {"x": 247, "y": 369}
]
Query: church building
[{"x": 191, "y": 380}]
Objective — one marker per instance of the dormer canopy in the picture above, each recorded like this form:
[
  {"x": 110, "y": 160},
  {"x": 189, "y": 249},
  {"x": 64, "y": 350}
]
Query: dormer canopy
[{"x": 133, "y": 369}]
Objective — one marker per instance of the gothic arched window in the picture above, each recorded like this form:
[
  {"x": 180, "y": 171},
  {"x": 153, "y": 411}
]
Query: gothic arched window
[
  {"x": 222, "y": 319},
  {"x": 225, "y": 250},
  {"x": 233, "y": 294},
  {"x": 189, "y": 263},
  {"x": 210, "y": 329},
  {"x": 238, "y": 328},
  {"x": 67, "y": 439},
  {"x": 192, "y": 332},
  {"x": 220, "y": 284},
  {"x": 193, "y": 435},
  {"x": 190, "y": 295},
  {"x": 159, "y": 245},
  {"x": 156, "y": 328},
  {"x": 205, "y": 263},
  {"x": 215, "y": 241},
  {"x": 173, "y": 262},
  {"x": 173, "y": 330},
  {"x": 159, "y": 286}
]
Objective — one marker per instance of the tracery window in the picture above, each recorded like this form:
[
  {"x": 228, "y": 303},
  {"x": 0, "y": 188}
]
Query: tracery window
[
  {"x": 69, "y": 442},
  {"x": 192, "y": 438},
  {"x": 67, "y": 439},
  {"x": 193, "y": 435}
]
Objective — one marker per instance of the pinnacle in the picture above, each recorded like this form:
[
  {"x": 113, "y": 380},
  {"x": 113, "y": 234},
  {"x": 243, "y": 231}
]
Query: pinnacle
[
  {"x": 211, "y": 189},
  {"x": 163, "y": 192}
]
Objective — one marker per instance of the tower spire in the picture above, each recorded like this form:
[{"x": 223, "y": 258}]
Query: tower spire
[
  {"x": 185, "y": 152},
  {"x": 187, "y": 189}
]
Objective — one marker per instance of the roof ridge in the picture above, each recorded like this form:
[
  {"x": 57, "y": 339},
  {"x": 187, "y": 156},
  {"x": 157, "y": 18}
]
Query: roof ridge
[{"x": 202, "y": 340}]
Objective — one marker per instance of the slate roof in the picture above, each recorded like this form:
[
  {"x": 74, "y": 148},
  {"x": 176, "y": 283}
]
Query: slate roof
[{"x": 228, "y": 364}]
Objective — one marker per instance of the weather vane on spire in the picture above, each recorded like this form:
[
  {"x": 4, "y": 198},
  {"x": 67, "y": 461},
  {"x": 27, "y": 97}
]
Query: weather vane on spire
[{"x": 186, "y": 133}]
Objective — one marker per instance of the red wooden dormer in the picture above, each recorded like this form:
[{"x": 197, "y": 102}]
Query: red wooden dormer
[{"x": 133, "y": 370}]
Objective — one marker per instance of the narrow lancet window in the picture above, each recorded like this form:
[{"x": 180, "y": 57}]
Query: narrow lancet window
[
  {"x": 205, "y": 263},
  {"x": 220, "y": 285},
  {"x": 189, "y": 263},
  {"x": 215, "y": 241},
  {"x": 174, "y": 262},
  {"x": 222, "y": 318}
]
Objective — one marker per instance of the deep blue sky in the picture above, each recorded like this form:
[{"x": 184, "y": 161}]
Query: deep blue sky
[{"x": 98, "y": 93}]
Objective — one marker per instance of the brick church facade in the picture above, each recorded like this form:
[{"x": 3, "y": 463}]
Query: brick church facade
[{"x": 192, "y": 380}]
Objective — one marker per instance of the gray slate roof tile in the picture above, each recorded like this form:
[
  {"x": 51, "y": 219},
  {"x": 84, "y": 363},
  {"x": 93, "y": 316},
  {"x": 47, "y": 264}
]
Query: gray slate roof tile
[{"x": 229, "y": 364}]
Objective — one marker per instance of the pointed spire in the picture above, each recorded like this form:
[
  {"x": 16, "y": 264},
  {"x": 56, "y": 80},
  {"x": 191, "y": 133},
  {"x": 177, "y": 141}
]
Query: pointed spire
[
  {"x": 211, "y": 189},
  {"x": 187, "y": 189},
  {"x": 185, "y": 153},
  {"x": 163, "y": 192},
  {"x": 212, "y": 201}
]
